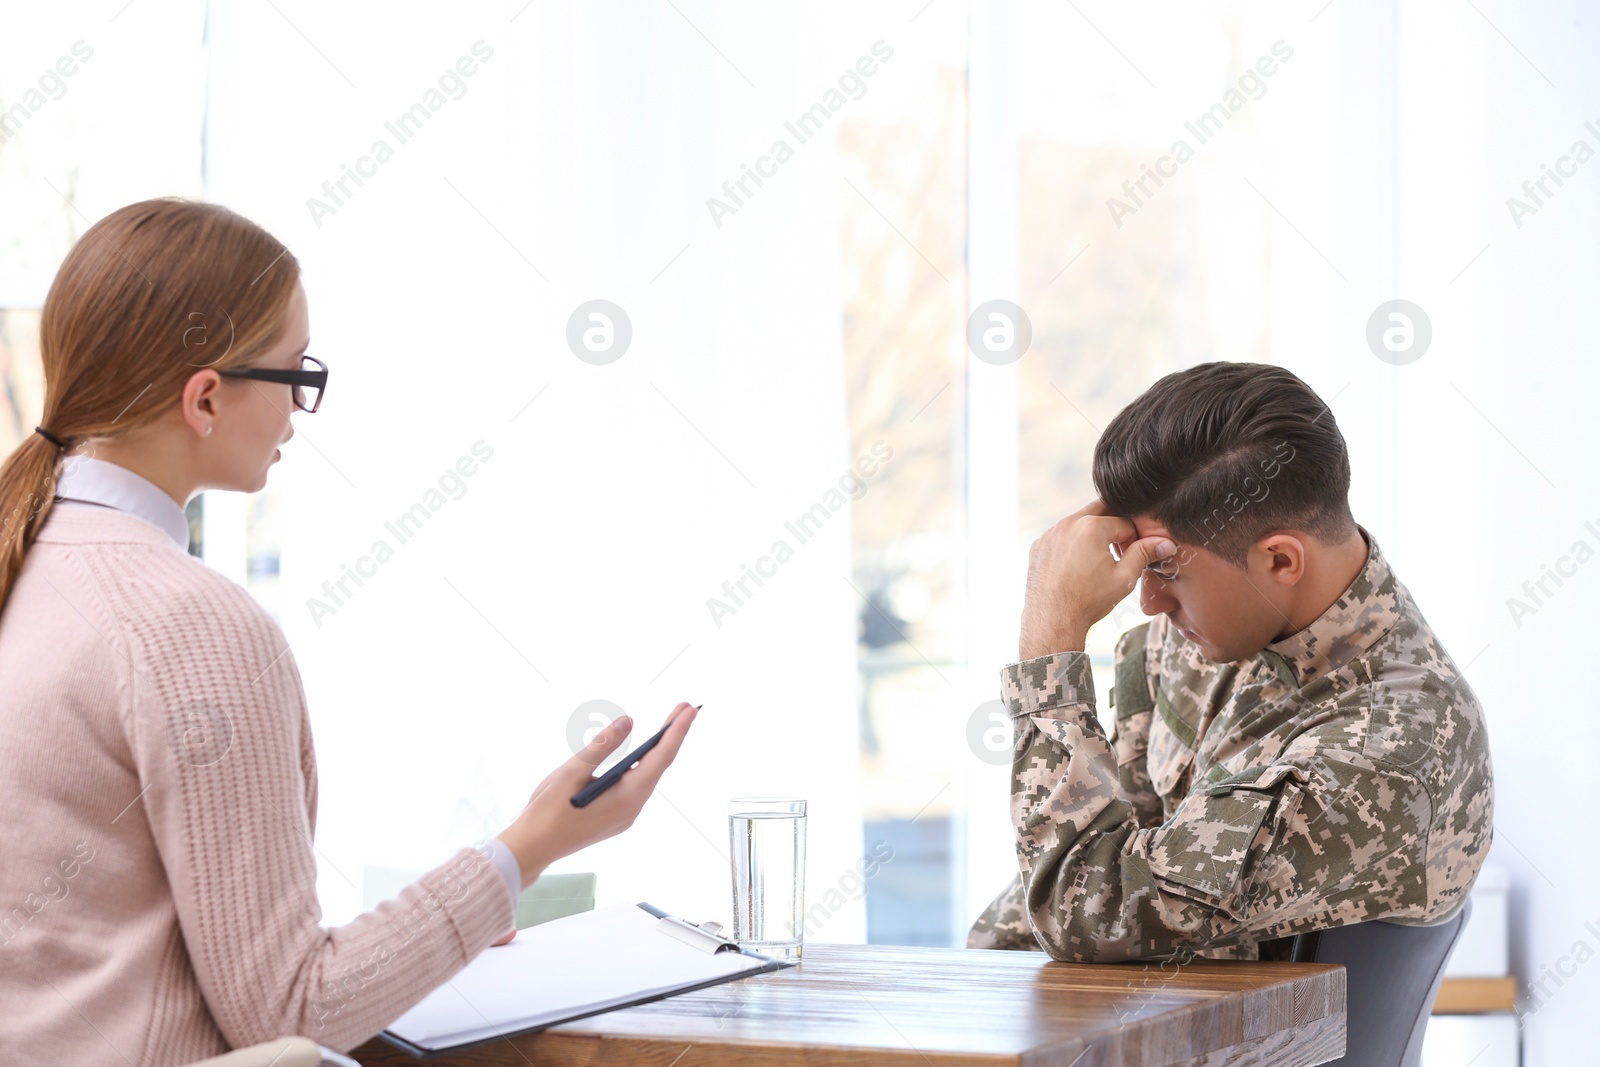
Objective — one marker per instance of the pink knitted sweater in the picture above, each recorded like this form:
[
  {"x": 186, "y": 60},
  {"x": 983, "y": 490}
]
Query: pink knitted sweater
[{"x": 158, "y": 796}]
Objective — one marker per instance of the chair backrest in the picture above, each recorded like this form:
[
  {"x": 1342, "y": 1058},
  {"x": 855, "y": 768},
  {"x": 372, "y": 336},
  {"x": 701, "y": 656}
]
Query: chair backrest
[{"x": 1392, "y": 976}]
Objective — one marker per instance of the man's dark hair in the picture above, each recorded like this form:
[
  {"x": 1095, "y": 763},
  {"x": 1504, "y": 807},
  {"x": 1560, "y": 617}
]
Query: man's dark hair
[{"x": 1224, "y": 453}]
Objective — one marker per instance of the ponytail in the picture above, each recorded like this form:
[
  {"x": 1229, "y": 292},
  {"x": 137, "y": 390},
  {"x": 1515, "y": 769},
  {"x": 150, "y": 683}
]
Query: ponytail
[{"x": 27, "y": 492}]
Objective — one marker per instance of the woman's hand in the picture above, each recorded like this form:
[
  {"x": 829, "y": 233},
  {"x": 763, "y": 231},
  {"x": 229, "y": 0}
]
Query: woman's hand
[{"x": 550, "y": 827}]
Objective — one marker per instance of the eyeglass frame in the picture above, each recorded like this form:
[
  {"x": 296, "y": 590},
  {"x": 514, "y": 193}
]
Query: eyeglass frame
[
  {"x": 1156, "y": 567},
  {"x": 302, "y": 379}
]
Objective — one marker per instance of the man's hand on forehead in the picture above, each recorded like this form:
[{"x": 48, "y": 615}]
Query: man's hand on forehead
[
  {"x": 1074, "y": 582},
  {"x": 1161, "y": 567}
]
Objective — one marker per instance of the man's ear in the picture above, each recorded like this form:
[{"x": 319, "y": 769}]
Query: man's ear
[{"x": 1284, "y": 556}]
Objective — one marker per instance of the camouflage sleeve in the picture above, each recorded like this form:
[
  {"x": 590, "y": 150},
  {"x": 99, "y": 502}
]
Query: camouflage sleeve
[
  {"x": 1004, "y": 923},
  {"x": 1331, "y": 838},
  {"x": 1133, "y": 699}
]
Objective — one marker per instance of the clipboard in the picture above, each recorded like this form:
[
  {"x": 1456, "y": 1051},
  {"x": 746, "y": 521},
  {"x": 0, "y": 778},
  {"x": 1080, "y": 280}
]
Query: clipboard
[{"x": 573, "y": 968}]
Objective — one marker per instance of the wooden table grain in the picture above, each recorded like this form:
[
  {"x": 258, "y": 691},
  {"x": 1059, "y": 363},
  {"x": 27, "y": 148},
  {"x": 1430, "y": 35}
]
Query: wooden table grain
[{"x": 877, "y": 1004}]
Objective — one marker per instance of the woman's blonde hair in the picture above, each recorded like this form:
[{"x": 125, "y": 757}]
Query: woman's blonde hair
[{"x": 149, "y": 295}]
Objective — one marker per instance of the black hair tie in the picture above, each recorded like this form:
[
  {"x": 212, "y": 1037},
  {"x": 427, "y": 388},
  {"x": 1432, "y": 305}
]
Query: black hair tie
[{"x": 48, "y": 436}]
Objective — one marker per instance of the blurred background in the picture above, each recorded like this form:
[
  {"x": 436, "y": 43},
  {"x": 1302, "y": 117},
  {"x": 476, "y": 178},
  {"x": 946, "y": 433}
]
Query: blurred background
[{"x": 792, "y": 212}]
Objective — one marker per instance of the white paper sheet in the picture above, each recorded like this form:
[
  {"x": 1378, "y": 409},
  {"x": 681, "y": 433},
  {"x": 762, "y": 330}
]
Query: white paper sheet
[{"x": 561, "y": 969}]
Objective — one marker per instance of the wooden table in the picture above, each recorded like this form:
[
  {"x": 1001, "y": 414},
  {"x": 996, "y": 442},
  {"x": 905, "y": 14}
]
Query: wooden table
[{"x": 876, "y": 1004}]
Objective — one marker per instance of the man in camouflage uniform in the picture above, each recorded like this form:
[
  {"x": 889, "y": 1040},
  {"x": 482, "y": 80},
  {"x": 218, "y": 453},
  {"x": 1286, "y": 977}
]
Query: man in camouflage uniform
[{"x": 1285, "y": 757}]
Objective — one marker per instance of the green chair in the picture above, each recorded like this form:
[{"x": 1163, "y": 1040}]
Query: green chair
[
  {"x": 551, "y": 897},
  {"x": 282, "y": 1052}
]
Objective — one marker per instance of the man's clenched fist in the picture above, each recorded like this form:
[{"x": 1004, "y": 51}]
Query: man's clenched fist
[{"x": 1073, "y": 581}]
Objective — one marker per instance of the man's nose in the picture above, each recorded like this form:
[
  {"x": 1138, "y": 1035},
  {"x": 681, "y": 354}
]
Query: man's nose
[{"x": 1153, "y": 599}]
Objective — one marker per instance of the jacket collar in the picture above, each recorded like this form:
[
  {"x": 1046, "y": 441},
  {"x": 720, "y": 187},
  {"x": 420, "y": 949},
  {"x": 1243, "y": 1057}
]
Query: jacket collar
[{"x": 1367, "y": 610}]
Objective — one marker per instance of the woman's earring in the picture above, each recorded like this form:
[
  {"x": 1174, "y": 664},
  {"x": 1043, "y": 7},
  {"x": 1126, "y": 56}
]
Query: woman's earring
[{"x": 208, "y": 431}]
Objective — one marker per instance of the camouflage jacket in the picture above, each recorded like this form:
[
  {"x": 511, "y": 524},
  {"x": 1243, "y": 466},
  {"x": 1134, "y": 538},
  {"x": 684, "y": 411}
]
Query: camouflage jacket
[{"x": 1341, "y": 774}]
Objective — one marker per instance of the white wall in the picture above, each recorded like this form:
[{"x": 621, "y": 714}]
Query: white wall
[{"x": 1534, "y": 498}]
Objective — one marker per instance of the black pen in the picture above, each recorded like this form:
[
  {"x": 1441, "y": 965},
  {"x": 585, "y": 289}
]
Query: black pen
[{"x": 582, "y": 797}]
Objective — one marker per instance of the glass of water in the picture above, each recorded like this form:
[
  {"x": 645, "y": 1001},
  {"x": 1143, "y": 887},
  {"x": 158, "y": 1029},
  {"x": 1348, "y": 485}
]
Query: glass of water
[{"x": 767, "y": 839}]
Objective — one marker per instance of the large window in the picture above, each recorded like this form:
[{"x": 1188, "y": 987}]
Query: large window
[{"x": 903, "y": 233}]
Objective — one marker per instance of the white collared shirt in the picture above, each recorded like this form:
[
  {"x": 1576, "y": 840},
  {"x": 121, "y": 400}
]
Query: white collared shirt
[{"x": 98, "y": 482}]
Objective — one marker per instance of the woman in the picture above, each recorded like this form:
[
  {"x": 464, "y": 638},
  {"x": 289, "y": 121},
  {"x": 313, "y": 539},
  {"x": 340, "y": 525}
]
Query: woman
[{"x": 159, "y": 785}]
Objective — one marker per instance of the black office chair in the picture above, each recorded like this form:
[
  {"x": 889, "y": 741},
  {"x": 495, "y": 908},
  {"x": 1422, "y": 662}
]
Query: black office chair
[{"x": 1392, "y": 976}]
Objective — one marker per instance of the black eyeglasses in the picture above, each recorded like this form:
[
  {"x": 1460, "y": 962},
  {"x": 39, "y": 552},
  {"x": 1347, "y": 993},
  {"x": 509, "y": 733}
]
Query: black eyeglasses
[
  {"x": 305, "y": 379},
  {"x": 1167, "y": 569}
]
